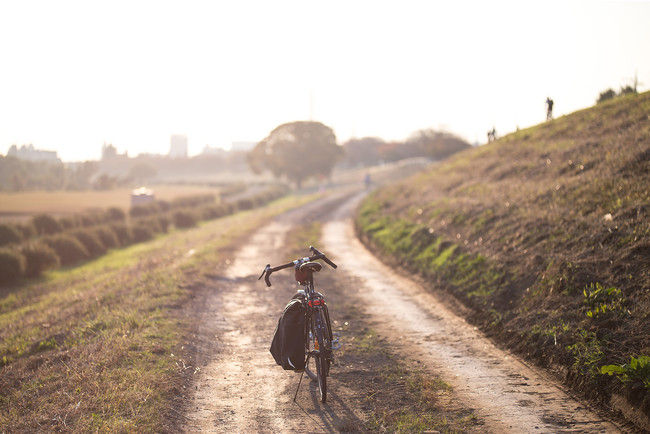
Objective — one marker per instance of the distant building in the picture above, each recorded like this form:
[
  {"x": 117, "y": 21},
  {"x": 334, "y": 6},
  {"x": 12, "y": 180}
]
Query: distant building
[
  {"x": 207, "y": 150},
  {"x": 178, "y": 146},
  {"x": 109, "y": 152},
  {"x": 28, "y": 152},
  {"x": 243, "y": 146}
]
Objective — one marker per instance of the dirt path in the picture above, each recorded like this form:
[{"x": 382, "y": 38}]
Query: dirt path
[
  {"x": 238, "y": 388},
  {"x": 507, "y": 395}
]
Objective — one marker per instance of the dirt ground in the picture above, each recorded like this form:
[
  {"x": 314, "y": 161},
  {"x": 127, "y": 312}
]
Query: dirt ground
[{"x": 395, "y": 335}]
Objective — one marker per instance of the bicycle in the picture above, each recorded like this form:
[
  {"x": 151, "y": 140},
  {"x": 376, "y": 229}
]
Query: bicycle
[{"x": 319, "y": 339}]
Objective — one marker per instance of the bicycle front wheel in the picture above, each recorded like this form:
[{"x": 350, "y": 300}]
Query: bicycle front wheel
[{"x": 322, "y": 345}]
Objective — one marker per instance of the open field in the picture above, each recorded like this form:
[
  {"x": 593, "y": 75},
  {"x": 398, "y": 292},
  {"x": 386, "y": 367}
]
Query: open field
[{"x": 19, "y": 206}]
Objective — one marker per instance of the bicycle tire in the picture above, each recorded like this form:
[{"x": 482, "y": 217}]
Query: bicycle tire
[{"x": 322, "y": 363}]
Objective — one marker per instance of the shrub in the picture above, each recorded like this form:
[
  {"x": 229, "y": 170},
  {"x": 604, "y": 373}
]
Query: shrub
[
  {"x": 164, "y": 222},
  {"x": 150, "y": 208},
  {"x": 185, "y": 219},
  {"x": 142, "y": 232},
  {"x": 193, "y": 201},
  {"x": 91, "y": 242},
  {"x": 246, "y": 203},
  {"x": 46, "y": 224},
  {"x": 68, "y": 222},
  {"x": 162, "y": 206},
  {"x": 150, "y": 222},
  {"x": 69, "y": 249},
  {"x": 90, "y": 219},
  {"x": 114, "y": 214},
  {"x": 123, "y": 233},
  {"x": 12, "y": 265},
  {"x": 39, "y": 258},
  {"x": 9, "y": 234},
  {"x": 210, "y": 212},
  {"x": 143, "y": 210},
  {"x": 27, "y": 230},
  {"x": 107, "y": 237}
]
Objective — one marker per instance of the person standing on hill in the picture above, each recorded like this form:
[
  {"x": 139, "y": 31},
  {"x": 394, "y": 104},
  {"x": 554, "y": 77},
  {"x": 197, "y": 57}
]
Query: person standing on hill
[{"x": 549, "y": 109}]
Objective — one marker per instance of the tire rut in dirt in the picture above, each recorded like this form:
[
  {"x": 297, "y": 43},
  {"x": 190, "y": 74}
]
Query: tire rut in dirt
[{"x": 238, "y": 387}]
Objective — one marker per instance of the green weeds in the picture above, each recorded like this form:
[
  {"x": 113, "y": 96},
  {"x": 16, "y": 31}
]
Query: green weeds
[
  {"x": 601, "y": 301},
  {"x": 587, "y": 354},
  {"x": 637, "y": 371}
]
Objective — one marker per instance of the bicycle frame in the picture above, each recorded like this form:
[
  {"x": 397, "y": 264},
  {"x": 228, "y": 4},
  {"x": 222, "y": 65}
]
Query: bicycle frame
[{"x": 319, "y": 339}]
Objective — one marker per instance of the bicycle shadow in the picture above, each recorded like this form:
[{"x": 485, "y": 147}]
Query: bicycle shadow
[{"x": 329, "y": 419}]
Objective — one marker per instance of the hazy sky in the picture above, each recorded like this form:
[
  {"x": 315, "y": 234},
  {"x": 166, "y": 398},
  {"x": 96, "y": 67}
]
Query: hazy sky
[{"x": 76, "y": 74}]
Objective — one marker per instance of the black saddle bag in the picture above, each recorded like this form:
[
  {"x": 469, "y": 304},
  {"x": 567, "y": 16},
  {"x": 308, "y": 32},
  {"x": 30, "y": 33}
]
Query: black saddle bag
[{"x": 288, "y": 345}]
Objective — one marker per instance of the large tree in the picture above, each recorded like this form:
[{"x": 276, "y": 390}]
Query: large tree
[{"x": 297, "y": 150}]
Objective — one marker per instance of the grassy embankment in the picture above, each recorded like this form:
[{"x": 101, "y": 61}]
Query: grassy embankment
[
  {"x": 98, "y": 347},
  {"x": 545, "y": 236},
  {"x": 391, "y": 393}
]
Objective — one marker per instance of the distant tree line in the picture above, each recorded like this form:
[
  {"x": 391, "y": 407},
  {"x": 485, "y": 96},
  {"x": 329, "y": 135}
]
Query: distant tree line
[
  {"x": 20, "y": 175},
  {"x": 611, "y": 93},
  {"x": 301, "y": 150},
  {"x": 17, "y": 174},
  {"x": 435, "y": 145}
]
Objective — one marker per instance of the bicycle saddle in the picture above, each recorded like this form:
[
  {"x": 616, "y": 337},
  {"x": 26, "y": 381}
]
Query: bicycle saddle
[{"x": 310, "y": 267}]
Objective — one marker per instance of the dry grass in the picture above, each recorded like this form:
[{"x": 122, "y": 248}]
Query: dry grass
[
  {"x": 100, "y": 347},
  {"x": 524, "y": 229},
  {"x": 23, "y": 205}
]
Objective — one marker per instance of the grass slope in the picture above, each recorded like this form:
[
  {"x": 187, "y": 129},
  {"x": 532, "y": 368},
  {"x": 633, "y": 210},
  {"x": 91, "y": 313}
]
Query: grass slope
[
  {"x": 545, "y": 236},
  {"x": 100, "y": 347}
]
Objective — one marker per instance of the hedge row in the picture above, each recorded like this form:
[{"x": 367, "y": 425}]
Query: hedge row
[
  {"x": 77, "y": 244},
  {"x": 45, "y": 224},
  {"x": 162, "y": 206}
]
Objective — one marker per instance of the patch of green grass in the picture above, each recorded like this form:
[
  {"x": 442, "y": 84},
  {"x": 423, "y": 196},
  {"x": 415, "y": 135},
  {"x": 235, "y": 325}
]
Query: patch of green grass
[
  {"x": 587, "y": 354},
  {"x": 601, "y": 301}
]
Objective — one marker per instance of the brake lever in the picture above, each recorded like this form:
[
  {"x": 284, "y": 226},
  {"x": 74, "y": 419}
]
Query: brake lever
[
  {"x": 264, "y": 271},
  {"x": 322, "y": 256}
]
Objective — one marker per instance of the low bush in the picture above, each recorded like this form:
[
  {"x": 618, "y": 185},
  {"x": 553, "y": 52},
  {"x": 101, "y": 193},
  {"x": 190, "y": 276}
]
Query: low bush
[
  {"x": 27, "y": 230},
  {"x": 12, "y": 265},
  {"x": 68, "y": 223},
  {"x": 45, "y": 224},
  {"x": 69, "y": 249},
  {"x": 91, "y": 242},
  {"x": 192, "y": 201},
  {"x": 9, "y": 234},
  {"x": 211, "y": 212},
  {"x": 151, "y": 222},
  {"x": 39, "y": 258},
  {"x": 115, "y": 215},
  {"x": 164, "y": 222},
  {"x": 143, "y": 210},
  {"x": 123, "y": 233},
  {"x": 90, "y": 219},
  {"x": 142, "y": 232},
  {"x": 185, "y": 219},
  {"x": 107, "y": 236},
  {"x": 246, "y": 203},
  {"x": 148, "y": 209}
]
